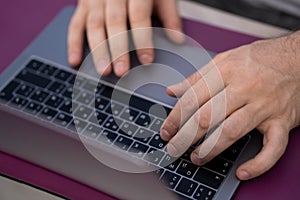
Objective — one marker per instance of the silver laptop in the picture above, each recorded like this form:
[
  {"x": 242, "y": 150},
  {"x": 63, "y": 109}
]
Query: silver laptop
[{"x": 104, "y": 132}]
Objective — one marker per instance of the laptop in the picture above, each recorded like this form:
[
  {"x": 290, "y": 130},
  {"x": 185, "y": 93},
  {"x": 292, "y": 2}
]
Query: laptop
[{"x": 104, "y": 131}]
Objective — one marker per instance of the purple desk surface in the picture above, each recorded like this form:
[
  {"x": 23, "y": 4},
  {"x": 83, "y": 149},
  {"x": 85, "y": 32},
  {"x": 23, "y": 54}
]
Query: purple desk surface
[{"x": 21, "y": 21}]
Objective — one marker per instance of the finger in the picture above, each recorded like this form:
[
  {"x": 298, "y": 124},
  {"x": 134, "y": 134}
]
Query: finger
[
  {"x": 140, "y": 20},
  {"x": 96, "y": 38},
  {"x": 168, "y": 13},
  {"x": 275, "y": 143},
  {"x": 232, "y": 129},
  {"x": 207, "y": 87},
  {"x": 76, "y": 35},
  {"x": 180, "y": 88},
  {"x": 207, "y": 117},
  {"x": 219, "y": 107},
  {"x": 116, "y": 25}
]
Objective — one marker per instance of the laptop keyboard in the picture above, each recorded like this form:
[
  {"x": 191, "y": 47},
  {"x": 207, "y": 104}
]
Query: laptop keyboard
[{"x": 45, "y": 92}]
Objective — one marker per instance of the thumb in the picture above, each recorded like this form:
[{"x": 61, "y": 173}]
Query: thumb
[{"x": 275, "y": 143}]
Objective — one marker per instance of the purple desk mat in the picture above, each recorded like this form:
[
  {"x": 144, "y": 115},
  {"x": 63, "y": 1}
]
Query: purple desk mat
[{"x": 21, "y": 21}]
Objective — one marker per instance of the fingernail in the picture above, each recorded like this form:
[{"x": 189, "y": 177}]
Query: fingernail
[
  {"x": 120, "y": 68},
  {"x": 244, "y": 175},
  {"x": 177, "y": 36},
  {"x": 102, "y": 66},
  {"x": 146, "y": 58},
  {"x": 172, "y": 151},
  {"x": 165, "y": 134}
]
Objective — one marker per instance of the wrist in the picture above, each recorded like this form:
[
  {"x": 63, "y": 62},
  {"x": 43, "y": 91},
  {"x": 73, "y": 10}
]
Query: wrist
[{"x": 291, "y": 51}]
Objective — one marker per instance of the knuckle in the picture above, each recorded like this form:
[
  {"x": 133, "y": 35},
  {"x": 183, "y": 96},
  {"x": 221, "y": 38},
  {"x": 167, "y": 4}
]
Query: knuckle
[
  {"x": 231, "y": 133},
  {"x": 281, "y": 150},
  {"x": 94, "y": 20},
  {"x": 171, "y": 123},
  {"x": 136, "y": 16},
  {"x": 261, "y": 168},
  {"x": 194, "y": 77},
  {"x": 74, "y": 24},
  {"x": 189, "y": 100},
  {"x": 203, "y": 121},
  {"x": 115, "y": 18}
]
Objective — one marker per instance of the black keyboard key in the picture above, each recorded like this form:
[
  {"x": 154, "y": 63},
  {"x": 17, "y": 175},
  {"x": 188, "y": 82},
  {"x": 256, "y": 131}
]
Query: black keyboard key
[
  {"x": 107, "y": 137},
  {"x": 100, "y": 103},
  {"x": 54, "y": 101},
  {"x": 242, "y": 142},
  {"x": 98, "y": 118},
  {"x": 76, "y": 80},
  {"x": 187, "y": 169},
  {"x": 48, "y": 70},
  {"x": 139, "y": 149},
  {"x": 83, "y": 112},
  {"x": 48, "y": 114},
  {"x": 154, "y": 156},
  {"x": 231, "y": 153},
  {"x": 156, "y": 125},
  {"x": 112, "y": 124},
  {"x": 34, "y": 65},
  {"x": 159, "y": 172},
  {"x": 187, "y": 154},
  {"x": 62, "y": 75},
  {"x": 56, "y": 87},
  {"x": 186, "y": 186},
  {"x": 33, "y": 108},
  {"x": 128, "y": 129},
  {"x": 204, "y": 193},
  {"x": 39, "y": 96},
  {"x": 34, "y": 79},
  {"x": 107, "y": 92},
  {"x": 85, "y": 98},
  {"x": 71, "y": 92},
  {"x": 208, "y": 178},
  {"x": 123, "y": 143},
  {"x": 170, "y": 179},
  {"x": 219, "y": 165},
  {"x": 143, "y": 135},
  {"x": 170, "y": 163},
  {"x": 114, "y": 109},
  {"x": 77, "y": 125},
  {"x": 91, "y": 86},
  {"x": 25, "y": 90},
  {"x": 7, "y": 93},
  {"x": 63, "y": 119},
  {"x": 18, "y": 102},
  {"x": 157, "y": 142},
  {"x": 92, "y": 131},
  {"x": 144, "y": 120},
  {"x": 146, "y": 106},
  {"x": 68, "y": 106},
  {"x": 129, "y": 114}
]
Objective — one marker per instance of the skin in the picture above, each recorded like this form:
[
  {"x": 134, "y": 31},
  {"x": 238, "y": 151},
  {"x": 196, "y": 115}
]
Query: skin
[
  {"x": 102, "y": 19},
  {"x": 259, "y": 86},
  {"x": 261, "y": 89}
]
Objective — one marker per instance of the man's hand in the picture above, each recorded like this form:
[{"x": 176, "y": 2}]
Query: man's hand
[
  {"x": 260, "y": 89},
  {"x": 102, "y": 19}
]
